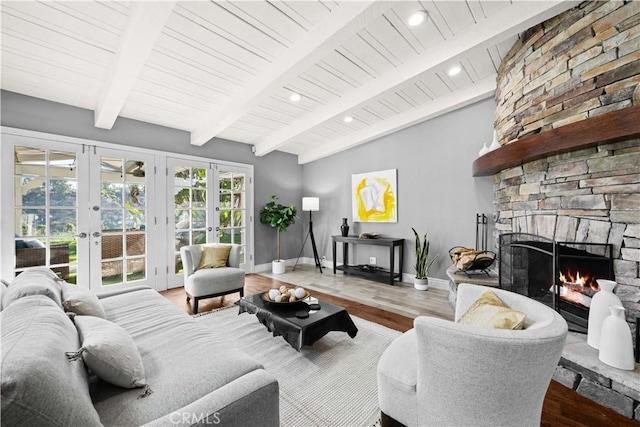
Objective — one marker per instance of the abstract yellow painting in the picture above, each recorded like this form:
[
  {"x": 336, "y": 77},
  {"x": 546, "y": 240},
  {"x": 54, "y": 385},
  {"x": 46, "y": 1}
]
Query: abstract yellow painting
[{"x": 375, "y": 196}]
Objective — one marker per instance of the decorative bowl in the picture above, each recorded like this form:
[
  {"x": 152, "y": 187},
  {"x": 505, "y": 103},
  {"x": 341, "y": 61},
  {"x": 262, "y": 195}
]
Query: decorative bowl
[{"x": 265, "y": 296}]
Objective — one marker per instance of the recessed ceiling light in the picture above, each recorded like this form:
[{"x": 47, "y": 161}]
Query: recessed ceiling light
[
  {"x": 295, "y": 97},
  {"x": 417, "y": 18},
  {"x": 454, "y": 70},
  {"x": 348, "y": 119}
]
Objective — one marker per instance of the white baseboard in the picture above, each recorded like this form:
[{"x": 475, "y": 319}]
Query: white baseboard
[
  {"x": 434, "y": 282},
  {"x": 260, "y": 268}
]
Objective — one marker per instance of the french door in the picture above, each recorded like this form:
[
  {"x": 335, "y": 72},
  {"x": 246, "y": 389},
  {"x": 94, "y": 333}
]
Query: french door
[
  {"x": 45, "y": 195},
  {"x": 80, "y": 210},
  {"x": 121, "y": 219},
  {"x": 210, "y": 203}
]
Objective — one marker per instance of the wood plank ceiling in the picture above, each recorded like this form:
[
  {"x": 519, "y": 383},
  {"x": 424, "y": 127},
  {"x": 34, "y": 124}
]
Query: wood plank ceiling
[{"x": 227, "y": 69}]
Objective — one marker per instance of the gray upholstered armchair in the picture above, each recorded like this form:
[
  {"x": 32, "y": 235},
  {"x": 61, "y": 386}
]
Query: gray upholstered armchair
[
  {"x": 210, "y": 282},
  {"x": 444, "y": 373}
]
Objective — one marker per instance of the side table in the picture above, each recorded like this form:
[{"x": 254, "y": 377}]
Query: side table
[{"x": 392, "y": 243}]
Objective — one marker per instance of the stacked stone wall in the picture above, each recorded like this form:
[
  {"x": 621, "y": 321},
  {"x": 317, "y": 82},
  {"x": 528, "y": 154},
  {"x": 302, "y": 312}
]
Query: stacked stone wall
[
  {"x": 579, "y": 64},
  {"x": 590, "y": 195}
]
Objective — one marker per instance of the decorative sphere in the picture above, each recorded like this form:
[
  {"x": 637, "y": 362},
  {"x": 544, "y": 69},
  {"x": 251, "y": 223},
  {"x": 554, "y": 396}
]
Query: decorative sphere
[
  {"x": 273, "y": 293},
  {"x": 278, "y": 298},
  {"x": 283, "y": 289},
  {"x": 299, "y": 293}
]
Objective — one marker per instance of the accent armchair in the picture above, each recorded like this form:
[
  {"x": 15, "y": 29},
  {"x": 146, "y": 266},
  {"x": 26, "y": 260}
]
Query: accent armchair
[
  {"x": 210, "y": 282},
  {"x": 446, "y": 373}
]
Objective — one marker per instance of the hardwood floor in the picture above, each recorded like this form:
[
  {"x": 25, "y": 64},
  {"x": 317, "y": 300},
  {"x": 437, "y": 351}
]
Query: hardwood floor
[{"x": 395, "y": 307}]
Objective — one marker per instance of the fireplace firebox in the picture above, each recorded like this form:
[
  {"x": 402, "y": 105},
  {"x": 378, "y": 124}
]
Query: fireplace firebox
[{"x": 561, "y": 275}]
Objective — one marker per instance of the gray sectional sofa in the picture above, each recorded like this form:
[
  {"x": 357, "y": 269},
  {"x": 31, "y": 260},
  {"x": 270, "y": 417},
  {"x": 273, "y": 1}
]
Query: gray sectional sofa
[{"x": 194, "y": 374}]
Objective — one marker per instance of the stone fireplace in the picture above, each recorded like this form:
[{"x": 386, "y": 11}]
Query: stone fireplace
[
  {"x": 577, "y": 68},
  {"x": 562, "y": 275},
  {"x": 568, "y": 121}
]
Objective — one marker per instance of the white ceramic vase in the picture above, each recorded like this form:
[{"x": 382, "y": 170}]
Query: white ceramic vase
[
  {"x": 484, "y": 150},
  {"x": 599, "y": 310},
  {"x": 616, "y": 345},
  {"x": 494, "y": 144},
  {"x": 421, "y": 284}
]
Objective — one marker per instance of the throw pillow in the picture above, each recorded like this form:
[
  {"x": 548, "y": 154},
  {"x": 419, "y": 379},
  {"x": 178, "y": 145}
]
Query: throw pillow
[
  {"x": 109, "y": 351},
  {"x": 214, "y": 256},
  {"x": 490, "y": 312},
  {"x": 79, "y": 300},
  {"x": 35, "y": 243},
  {"x": 39, "y": 385},
  {"x": 34, "y": 281}
]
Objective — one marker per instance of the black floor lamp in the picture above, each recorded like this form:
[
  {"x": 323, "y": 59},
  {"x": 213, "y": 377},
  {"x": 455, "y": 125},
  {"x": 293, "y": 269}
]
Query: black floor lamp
[{"x": 310, "y": 204}]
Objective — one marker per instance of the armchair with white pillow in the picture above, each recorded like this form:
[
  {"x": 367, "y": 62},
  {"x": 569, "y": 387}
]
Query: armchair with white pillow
[
  {"x": 451, "y": 373},
  {"x": 208, "y": 273}
]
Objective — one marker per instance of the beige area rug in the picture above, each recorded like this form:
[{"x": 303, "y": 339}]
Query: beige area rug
[{"x": 331, "y": 383}]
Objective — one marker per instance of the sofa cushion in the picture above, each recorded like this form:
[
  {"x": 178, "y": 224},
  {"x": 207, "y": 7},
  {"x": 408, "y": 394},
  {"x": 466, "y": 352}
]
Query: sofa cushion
[
  {"x": 39, "y": 385},
  {"x": 214, "y": 257},
  {"x": 35, "y": 243},
  {"x": 184, "y": 361},
  {"x": 489, "y": 311},
  {"x": 109, "y": 352},
  {"x": 34, "y": 281},
  {"x": 82, "y": 301}
]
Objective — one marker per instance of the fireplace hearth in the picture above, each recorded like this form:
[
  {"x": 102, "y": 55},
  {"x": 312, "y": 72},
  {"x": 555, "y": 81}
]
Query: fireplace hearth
[{"x": 561, "y": 275}]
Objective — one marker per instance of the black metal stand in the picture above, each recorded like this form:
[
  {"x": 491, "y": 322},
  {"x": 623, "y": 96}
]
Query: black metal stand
[{"x": 313, "y": 245}]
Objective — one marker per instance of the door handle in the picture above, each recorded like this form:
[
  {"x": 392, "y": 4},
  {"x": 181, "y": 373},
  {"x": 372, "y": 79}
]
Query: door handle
[
  {"x": 96, "y": 234},
  {"x": 82, "y": 235}
]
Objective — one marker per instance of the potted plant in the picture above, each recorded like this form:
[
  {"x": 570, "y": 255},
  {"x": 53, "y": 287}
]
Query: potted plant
[
  {"x": 421, "y": 282},
  {"x": 280, "y": 217}
]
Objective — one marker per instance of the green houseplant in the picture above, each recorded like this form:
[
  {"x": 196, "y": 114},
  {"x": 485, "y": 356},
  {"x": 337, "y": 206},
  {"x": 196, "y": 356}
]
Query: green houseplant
[
  {"x": 280, "y": 217},
  {"x": 423, "y": 263}
]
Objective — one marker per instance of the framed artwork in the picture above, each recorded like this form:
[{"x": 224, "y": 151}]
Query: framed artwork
[{"x": 375, "y": 196}]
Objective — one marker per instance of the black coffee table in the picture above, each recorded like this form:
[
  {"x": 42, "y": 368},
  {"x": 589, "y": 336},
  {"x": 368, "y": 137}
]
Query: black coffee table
[{"x": 282, "y": 320}]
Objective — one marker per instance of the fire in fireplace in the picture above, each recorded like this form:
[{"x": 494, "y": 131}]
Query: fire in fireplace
[
  {"x": 578, "y": 289},
  {"x": 561, "y": 275}
]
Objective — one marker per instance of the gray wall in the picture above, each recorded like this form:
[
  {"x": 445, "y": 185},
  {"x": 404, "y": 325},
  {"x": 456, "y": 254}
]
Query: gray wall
[
  {"x": 436, "y": 191},
  {"x": 277, "y": 173}
]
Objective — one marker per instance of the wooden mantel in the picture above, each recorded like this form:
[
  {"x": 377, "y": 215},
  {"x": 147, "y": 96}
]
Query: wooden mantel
[{"x": 602, "y": 129}]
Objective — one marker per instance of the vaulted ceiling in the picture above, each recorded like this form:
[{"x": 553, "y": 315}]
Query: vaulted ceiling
[{"x": 228, "y": 68}]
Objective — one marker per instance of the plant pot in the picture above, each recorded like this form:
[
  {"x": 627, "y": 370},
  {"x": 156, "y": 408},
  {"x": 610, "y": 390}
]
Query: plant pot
[
  {"x": 277, "y": 266},
  {"x": 421, "y": 284}
]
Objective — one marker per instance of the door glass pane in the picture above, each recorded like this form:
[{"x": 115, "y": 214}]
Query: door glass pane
[
  {"x": 45, "y": 210},
  {"x": 232, "y": 213},
  {"x": 190, "y": 209},
  {"x": 124, "y": 220}
]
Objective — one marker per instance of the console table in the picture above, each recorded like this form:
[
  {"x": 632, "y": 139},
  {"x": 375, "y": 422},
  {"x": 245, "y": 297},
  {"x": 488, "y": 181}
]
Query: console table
[{"x": 381, "y": 275}]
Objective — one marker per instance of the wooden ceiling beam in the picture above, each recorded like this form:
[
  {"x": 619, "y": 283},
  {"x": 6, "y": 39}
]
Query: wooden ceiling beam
[
  {"x": 143, "y": 29},
  {"x": 338, "y": 26},
  {"x": 506, "y": 23}
]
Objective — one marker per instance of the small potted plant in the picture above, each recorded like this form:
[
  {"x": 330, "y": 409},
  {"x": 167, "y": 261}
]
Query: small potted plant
[
  {"x": 280, "y": 217},
  {"x": 421, "y": 282}
]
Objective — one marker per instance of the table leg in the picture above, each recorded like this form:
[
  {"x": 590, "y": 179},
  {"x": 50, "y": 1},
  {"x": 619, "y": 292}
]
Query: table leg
[
  {"x": 334, "y": 257},
  {"x": 345, "y": 255},
  {"x": 392, "y": 266},
  {"x": 401, "y": 260}
]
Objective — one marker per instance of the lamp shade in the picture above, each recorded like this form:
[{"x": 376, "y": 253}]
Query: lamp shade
[{"x": 310, "y": 204}]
